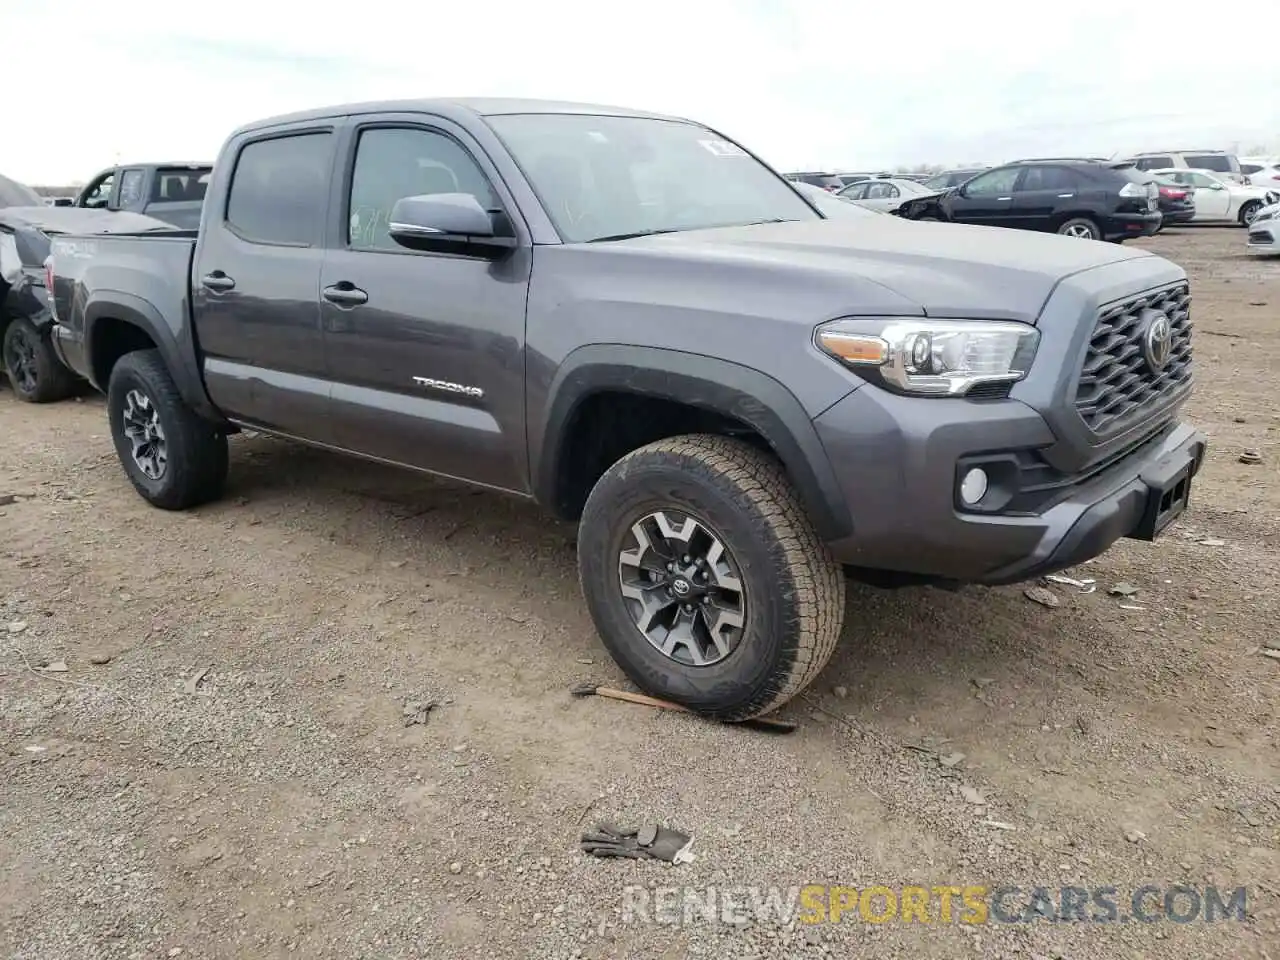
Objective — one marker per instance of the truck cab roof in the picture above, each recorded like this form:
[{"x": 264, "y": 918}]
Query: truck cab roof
[{"x": 450, "y": 107}]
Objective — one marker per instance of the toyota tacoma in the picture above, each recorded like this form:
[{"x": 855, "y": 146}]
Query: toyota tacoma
[{"x": 635, "y": 322}]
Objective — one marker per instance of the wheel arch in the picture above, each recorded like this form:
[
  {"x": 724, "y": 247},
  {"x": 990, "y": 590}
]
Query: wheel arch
[
  {"x": 716, "y": 387},
  {"x": 123, "y": 323}
]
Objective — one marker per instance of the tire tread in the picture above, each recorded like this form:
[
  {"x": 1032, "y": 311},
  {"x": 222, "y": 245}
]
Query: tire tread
[{"x": 759, "y": 481}]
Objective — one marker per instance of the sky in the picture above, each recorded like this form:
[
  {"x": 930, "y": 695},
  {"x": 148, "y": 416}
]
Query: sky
[{"x": 807, "y": 85}]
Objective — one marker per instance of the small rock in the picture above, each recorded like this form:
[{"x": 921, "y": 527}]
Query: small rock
[
  {"x": 1272, "y": 654},
  {"x": 1046, "y": 598},
  {"x": 841, "y": 692},
  {"x": 972, "y": 795},
  {"x": 951, "y": 760},
  {"x": 1214, "y": 740},
  {"x": 1123, "y": 590},
  {"x": 1213, "y": 543},
  {"x": 1251, "y": 457},
  {"x": 1134, "y": 836},
  {"x": 1272, "y": 643},
  {"x": 1239, "y": 420},
  {"x": 6, "y": 499},
  {"x": 100, "y": 659},
  {"x": 17, "y": 626},
  {"x": 58, "y": 666},
  {"x": 175, "y": 952},
  {"x": 455, "y": 868}
]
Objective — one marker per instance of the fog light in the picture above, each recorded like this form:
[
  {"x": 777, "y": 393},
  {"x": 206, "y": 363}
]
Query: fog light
[{"x": 973, "y": 487}]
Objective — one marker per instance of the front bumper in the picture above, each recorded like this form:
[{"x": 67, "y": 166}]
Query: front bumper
[
  {"x": 897, "y": 459},
  {"x": 1264, "y": 237},
  {"x": 1120, "y": 225}
]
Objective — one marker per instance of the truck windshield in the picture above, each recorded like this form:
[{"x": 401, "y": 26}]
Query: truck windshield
[{"x": 602, "y": 177}]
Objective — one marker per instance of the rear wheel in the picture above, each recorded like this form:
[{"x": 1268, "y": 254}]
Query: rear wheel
[
  {"x": 705, "y": 578},
  {"x": 174, "y": 459},
  {"x": 1249, "y": 211},
  {"x": 1082, "y": 228},
  {"x": 34, "y": 370}
]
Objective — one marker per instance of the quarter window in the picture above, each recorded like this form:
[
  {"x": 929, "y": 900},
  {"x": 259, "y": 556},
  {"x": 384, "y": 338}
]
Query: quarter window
[
  {"x": 1218, "y": 162},
  {"x": 397, "y": 162},
  {"x": 279, "y": 188}
]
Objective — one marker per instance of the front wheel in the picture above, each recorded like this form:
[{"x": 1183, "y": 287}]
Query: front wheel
[
  {"x": 1082, "y": 228},
  {"x": 174, "y": 459},
  {"x": 1249, "y": 211},
  {"x": 706, "y": 579},
  {"x": 34, "y": 370}
]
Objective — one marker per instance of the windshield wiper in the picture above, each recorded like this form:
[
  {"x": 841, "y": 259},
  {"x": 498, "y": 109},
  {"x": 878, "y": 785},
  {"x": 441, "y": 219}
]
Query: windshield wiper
[{"x": 629, "y": 236}]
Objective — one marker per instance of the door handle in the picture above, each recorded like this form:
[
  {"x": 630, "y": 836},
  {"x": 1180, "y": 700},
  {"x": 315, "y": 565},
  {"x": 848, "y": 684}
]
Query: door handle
[
  {"x": 217, "y": 281},
  {"x": 345, "y": 294},
  {"x": 1003, "y": 198}
]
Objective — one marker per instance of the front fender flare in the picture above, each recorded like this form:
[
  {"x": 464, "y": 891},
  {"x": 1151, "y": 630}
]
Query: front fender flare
[
  {"x": 180, "y": 359},
  {"x": 716, "y": 385}
]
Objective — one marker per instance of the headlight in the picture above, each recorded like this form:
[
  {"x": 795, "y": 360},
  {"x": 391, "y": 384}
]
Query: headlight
[{"x": 931, "y": 357}]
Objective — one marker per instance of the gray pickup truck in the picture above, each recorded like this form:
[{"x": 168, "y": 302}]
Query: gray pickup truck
[
  {"x": 172, "y": 191},
  {"x": 635, "y": 322}
]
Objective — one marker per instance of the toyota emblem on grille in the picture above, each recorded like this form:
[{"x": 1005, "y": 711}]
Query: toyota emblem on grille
[{"x": 1157, "y": 342}]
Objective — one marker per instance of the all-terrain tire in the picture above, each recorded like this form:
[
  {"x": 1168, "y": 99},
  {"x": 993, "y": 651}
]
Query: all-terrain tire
[
  {"x": 196, "y": 451},
  {"x": 794, "y": 590},
  {"x": 39, "y": 377}
]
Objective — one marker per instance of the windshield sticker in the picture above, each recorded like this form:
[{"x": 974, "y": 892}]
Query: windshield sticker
[{"x": 723, "y": 148}]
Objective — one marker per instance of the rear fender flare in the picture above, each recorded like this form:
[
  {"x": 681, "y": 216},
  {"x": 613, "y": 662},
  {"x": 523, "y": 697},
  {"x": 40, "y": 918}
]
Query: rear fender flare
[
  {"x": 716, "y": 385},
  {"x": 181, "y": 363}
]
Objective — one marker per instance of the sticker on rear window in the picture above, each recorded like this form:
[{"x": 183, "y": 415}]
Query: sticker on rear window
[{"x": 723, "y": 148}]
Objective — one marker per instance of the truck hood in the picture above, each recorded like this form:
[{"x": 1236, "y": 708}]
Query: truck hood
[{"x": 940, "y": 269}]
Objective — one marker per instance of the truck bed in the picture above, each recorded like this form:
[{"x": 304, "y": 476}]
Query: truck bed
[{"x": 154, "y": 266}]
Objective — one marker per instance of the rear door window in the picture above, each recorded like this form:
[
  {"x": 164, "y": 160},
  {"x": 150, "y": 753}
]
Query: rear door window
[
  {"x": 279, "y": 189},
  {"x": 131, "y": 187},
  {"x": 1058, "y": 179},
  {"x": 1218, "y": 162},
  {"x": 1153, "y": 163}
]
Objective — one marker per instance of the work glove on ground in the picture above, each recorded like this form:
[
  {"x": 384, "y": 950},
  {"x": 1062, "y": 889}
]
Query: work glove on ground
[{"x": 644, "y": 843}]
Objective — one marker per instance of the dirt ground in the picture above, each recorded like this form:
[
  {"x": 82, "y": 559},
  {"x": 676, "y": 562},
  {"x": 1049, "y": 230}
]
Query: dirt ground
[{"x": 210, "y": 740}]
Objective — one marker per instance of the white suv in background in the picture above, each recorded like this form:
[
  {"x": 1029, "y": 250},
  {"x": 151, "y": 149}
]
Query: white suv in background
[{"x": 1216, "y": 161}]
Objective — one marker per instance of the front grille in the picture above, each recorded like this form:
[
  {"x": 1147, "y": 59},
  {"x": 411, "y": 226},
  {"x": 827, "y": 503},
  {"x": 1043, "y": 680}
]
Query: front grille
[
  {"x": 1260, "y": 236},
  {"x": 1117, "y": 382}
]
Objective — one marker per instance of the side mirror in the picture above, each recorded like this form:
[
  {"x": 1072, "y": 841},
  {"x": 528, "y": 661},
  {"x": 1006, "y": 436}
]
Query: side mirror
[
  {"x": 1216, "y": 186},
  {"x": 447, "y": 222}
]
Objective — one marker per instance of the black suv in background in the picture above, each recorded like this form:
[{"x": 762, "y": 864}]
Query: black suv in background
[{"x": 1091, "y": 199}]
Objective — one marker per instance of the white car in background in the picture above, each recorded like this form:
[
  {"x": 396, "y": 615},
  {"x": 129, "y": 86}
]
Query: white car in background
[
  {"x": 831, "y": 205},
  {"x": 1218, "y": 199},
  {"x": 1264, "y": 232},
  {"x": 1262, "y": 171},
  {"x": 884, "y": 194}
]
